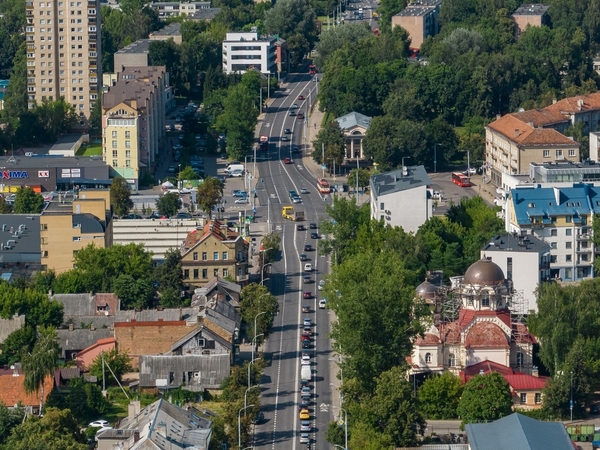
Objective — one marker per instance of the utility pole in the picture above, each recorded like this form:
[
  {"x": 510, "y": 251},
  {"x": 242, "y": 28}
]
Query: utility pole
[
  {"x": 323, "y": 158},
  {"x": 103, "y": 376}
]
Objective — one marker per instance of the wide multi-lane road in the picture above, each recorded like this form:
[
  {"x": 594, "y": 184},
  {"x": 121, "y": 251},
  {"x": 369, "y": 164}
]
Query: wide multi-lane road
[{"x": 280, "y": 385}]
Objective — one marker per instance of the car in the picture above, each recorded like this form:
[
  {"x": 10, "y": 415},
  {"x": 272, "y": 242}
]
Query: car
[
  {"x": 242, "y": 201},
  {"x": 321, "y": 285},
  {"x": 307, "y": 279},
  {"x": 595, "y": 409},
  {"x": 177, "y": 147},
  {"x": 287, "y": 131},
  {"x": 303, "y": 257},
  {"x": 305, "y": 437},
  {"x": 303, "y": 191},
  {"x": 304, "y": 414},
  {"x": 305, "y": 398},
  {"x": 236, "y": 173},
  {"x": 239, "y": 194},
  {"x": 313, "y": 226},
  {"x": 285, "y": 138},
  {"x": 258, "y": 418},
  {"x": 322, "y": 303},
  {"x": 132, "y": 216},
  {"x": 306, "y": 359},
  {"x": 470, "y": 171},
  {"x": 308, "y": 248},
  {"x": 295, "y": 149},
  {"x": 155, "y": 215},
  {"x": 305, "y": 337},
  {"x": 287, "y": 160},
  {"x": 307, "y": 294},
  {"x": 224, "y": 156},
  {"x": 183, "y": 215},
  {"x": 306, "y": 344},
  {"x": 292, "y": 113},
  {"x": 292, "y": 193},
  {"x": 305, "y": 390},
  {"x": 314, "y": 235},
  {"x": 305, "y": 308},
  {"x": 294, "y": 106},
  {"x": 99, "y": 424},
  {"x": 300, "y": 227},
  {"x": 305, "y": 425},
  {"x": 303, "y": 405},
  {"x": 301, "y": 97},
  {"x": 296, "y": 199},
  {"x": 307, "y": 322}
]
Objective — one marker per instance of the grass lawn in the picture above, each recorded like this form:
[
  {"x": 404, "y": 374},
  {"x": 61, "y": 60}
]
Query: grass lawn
[{"x": 90, "y": 150}]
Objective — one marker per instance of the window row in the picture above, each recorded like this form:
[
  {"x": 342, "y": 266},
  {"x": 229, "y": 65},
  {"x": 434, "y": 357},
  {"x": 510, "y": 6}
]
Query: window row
[{"x": 214, "y": 258}]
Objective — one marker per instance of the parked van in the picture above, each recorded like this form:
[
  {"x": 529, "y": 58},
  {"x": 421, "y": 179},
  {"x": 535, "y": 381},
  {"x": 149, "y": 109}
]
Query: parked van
[{"x": 234, "y": 168}]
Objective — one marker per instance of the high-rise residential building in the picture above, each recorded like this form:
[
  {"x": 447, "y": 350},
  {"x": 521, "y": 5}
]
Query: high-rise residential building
[{"x": 63, "y": 53}]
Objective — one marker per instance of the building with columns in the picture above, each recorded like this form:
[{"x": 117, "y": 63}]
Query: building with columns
[{"x": 354, "y": 126}]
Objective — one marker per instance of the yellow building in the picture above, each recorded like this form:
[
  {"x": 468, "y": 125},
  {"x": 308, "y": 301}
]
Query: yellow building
[
  {"x": 215, "y": 251},
  {"x": 66, "y": 228}
]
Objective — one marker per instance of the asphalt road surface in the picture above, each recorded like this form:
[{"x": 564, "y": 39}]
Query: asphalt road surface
[{"x": 280, "y": 385}]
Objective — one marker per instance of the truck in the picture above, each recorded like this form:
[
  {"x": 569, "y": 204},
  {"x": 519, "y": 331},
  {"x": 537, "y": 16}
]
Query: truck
[
  {"x": 305, "y": 373},
  {"x": 263, "y": 142},
  {"x": 288, "y": 212}
]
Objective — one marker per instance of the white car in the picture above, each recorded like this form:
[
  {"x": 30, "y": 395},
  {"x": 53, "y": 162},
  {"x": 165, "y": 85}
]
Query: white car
[
  {"x": 305, "y": 360},
  {"x": 322, "y": 303},
  {"x": 242, "y": 201},
  {"x": 321, "y": 285},
  {"x": 99, "y": 424},
  {"x": 308, "y": 267},
  {"x": 236, "y": 173},
  {"x": 307, "y": 322},
  {"x": 471, "y": 171}
]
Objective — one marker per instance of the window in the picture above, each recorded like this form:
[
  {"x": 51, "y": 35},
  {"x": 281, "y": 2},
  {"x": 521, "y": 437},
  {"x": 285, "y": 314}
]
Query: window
[
  {"x": 127, "y": 144},
  {"x": 215, "y": 272},
  {"x": 76, "y": 238},
  {"x": 571, "y": 153},
  {"x": 195, "y": 256},
  {"x": 553, "y": 232},
  {"x": 225, "y": 273},
  {"x": 114, "y": 163},
  {"x": 568, "y": 274},
  {"x": 538, "y": 397},
  {"x": 114, "y": 144},
  {"x": 44, "y": 241},
  {"x": 215, "y": 256},
  {"x": 204, "y": 256},
  {"x": 45, "y": 254},
  {"x": 128, "y": 135},
  {"x": 451, "y": 360},
  {"x": 559, "y": 153},
  {"x": 200, "y": 342},
  {"x": 568, "y": 232},
  {"x": 523, "y": 398},
  {"x": 427, "y": 358},
  {"x": 552, "y": 244},
  {"x": 127, "y": 153},
  {"x": 381, "y": 206},
  {"x": 569, "y": 219},
  {"x": 205, "y": 273},
  {"x": 568, "y": 244},
  {"x": 569, "y": 258},
  {"x": 127, "y": 163},
  {"x": 186, "y": 274},
  {"x": 114, "y": 134},
  {"x": 519, "y": 359},
  {"x": 546, "y": 153},
  {"x": 225, "y": 256},
  {"x": 196, "y": 274},
  {"x": 485, "y": 301}
]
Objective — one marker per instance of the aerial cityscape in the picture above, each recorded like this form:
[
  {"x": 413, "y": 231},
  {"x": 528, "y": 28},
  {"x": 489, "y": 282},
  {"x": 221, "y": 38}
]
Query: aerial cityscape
[{"x": 299, "y": 224}]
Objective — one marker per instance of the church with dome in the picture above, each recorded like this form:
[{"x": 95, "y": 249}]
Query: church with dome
[{"x": 473, "y": 326}]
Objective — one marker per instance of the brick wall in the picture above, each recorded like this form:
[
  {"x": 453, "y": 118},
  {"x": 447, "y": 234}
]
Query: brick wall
[{"x": 149, "y": 338}]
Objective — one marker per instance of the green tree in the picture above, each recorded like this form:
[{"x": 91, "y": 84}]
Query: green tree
[
  {"x": 439, "y": 396},
  {"x": 485, "y": 398},
  {"x": 270, "y": 246},
  {"x": 9, "y": 419},
  {"x": 83, "y": 399},
  {"x": 119, "y": 363},
  {"x": 168, "y": 204},
  {"x": 57, "y": 429},
  {"x": 238, "y": 120},
  {"x": 28, "y": 202},
  {"x": 133, "y": 292},
  {"x": 330, "y": 145},
  {"x": 169, "y": 276},
  {"x": 16, "y": 344},
  {"x": 333, "y": 39},
  {"x": 5, "y": 208},
  {"x": 187, "y": 173},
  {"x": 210, "y": 193},
  {"x": 15, "y": 99},
  {"x": 120, "y": 197},
  {"x": 364, "y": 176},
  {"x": 96, "y": 120},
  {"x": 292, "y": 17},
  {"x": 387, "y": 9},
  {"x": 256, "y": 299},
  {"x": 56, "y": 118},
  {"x": 40, "y": 363}
]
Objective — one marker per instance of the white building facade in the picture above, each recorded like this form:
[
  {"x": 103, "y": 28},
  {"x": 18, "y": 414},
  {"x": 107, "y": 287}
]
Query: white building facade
[
  {"x": 400, "y": 198},
  {"x": 248, "y": 50}
]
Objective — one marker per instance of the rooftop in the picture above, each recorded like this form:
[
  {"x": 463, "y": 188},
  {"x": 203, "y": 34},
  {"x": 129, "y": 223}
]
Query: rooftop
[
  {"x": 579, "y": 103},
  {"x": 354, "y": 119},
  {"x": 532, "y": 9},
  {"x": 139, "y": 46},
  {"x": 526, "y": 134},
  {"x": 13, "y": 391},
  {"x": 48, "y": 161},
  {"x": 415, "y": 11},
  {"x": 517, "y": 243},
  {"x": 205, "y": 14},
  {"x": 397, "y": 180},
  {"x": 173, "y": 29},
  {"x": 518, "y": 432}
]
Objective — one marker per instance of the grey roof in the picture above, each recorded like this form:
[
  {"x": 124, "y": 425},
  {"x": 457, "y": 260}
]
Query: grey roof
[
  {"x": 99, "y": 321},
  {"x": 80, "y": 338},
  {"x": 212, "y": 370},
  {"x": 396, "y": 181},
  {"x": 532, "y": 9},
  {"x": 224, "y": 315},
  {"x": 153, "y": 315},
  {"x": 40, "y": 162},
  {"x": 75, "y": 305},
  {"x": 166, "y": 426},
  {"x": 518, "y": 432},
  {"x": 7, "y": 326},
  {"x": 205, "y": 14},
  {"x": 187, "y": 337},
  {"x": 516, "y": 243},
  {"x": 354, "y": 119},
  {"x": 230, "y": 291},
  {"x": 139, "y": 46},
  {"x": 173, "y": 29},
  {"x": 66, "y": 142},
  {"x": 69, "y": 373},
  {"x": 88, "y": 223},
  {"x": 23, "y": 232}
]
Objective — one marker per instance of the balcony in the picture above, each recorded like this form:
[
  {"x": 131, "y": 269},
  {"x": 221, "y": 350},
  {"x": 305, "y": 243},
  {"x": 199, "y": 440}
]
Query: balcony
[
  {"x": 583, "y": 237},
  {"x": 28, "y": 5},
  {"x": 584, "y": 249}
]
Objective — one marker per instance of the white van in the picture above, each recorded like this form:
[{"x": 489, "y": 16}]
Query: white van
[{"x": 234, "y": 168}]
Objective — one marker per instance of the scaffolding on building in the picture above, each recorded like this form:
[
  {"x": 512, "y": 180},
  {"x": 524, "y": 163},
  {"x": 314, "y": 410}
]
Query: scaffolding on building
[{"x": 519, "y": 332}]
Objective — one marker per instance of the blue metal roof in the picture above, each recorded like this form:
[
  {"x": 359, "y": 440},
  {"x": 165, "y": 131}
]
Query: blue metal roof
[
  {"x": 541, "y": 204},
  {"x": 518, "y": 432}
]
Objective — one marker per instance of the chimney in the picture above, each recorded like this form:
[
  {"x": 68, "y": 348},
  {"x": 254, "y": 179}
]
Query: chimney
[
  {"x": 498, "y": 116},
  {"x": 554, "y": 101},
  {"x": 535, "y": 372},
  {"x": 516, "y": 132},
  {"x": 136, "y": 436}
]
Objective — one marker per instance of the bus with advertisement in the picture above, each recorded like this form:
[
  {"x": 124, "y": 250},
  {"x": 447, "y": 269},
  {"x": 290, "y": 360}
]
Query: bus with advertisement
[
  {"x": 323, "y": 186},
  {"x": 461, "y": 179}
]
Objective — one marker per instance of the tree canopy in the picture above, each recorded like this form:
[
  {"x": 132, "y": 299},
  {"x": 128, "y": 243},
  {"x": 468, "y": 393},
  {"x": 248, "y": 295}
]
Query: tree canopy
[
  {"x": 28, "y": 202},
  {"x": 210, "y": 192},
  {"x": 120, "y": 196},
  {"x": 439, "y": 396},
  {"x": 485, "y": 398}
]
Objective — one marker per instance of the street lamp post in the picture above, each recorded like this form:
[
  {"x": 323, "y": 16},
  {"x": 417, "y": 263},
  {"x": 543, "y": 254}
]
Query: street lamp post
[
  {"x": 246, "y": 393},
  {"x": 254, "y": 343},
  {"x": 240, "y": 424},
  {"x": 262, "y": 272}
]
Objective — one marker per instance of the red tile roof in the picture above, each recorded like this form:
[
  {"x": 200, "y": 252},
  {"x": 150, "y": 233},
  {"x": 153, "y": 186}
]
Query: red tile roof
[
  {"x": 98, "y": 343},
  {"x": 522, "y": 133},
  {"x": 213, "y": 228},
  {"x": 518, "y": 381},
  {"x": 12, "y": 391},
  {"x": 486, "y": 335},
  {"x": 541, "y": 117},
  {"x": 428, "y": 339},
  {"x": 571, "y": 105}
]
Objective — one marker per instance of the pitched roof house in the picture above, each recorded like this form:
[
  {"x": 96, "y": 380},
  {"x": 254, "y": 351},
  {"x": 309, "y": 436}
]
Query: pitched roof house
[{"x": 12, "y": 391}]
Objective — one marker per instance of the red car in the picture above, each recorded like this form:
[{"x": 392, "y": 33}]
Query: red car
[
  {"x": 305, "y": 337},
  {"x": 301, "y": 97},
  {"x": 307, "y": 294},
  {"x": 287, "y": 161}
]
